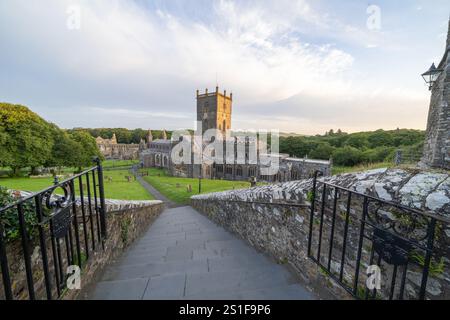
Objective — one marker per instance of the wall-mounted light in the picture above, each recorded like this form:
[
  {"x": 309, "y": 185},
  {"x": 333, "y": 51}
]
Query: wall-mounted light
[{"x": 431, "y": 76}]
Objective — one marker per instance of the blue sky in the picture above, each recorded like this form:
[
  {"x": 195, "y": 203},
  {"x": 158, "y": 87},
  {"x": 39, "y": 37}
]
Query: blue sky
[{"x": 301, "y": 66}]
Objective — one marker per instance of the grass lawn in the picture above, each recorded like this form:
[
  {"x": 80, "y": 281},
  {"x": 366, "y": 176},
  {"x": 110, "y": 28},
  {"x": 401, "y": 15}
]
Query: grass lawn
[
  {"x": 118, "y": 163},
  {"x": 119, "y": 188},
  {"x": 340, "y": 170},
  {"x": 167, "y": 185}
]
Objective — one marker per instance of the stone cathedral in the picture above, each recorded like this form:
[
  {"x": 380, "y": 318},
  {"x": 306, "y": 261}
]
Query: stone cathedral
[
  {"x": 437, "y": 144},
  {"x": 214, "y": 111}
]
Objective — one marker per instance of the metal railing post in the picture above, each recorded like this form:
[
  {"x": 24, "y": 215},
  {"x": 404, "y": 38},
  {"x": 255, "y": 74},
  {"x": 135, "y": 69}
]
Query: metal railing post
[{"x": 101, "y": 190}]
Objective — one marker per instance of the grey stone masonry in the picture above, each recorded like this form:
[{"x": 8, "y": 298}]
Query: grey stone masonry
[
  {"x": 437, "y": 144},
  {"x": 276, "y": 219},
  {"x": 429, "y": 191}
]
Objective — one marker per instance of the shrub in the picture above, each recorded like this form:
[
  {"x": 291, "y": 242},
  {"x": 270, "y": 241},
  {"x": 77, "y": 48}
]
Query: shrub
[
  {"x": 347, "y": 156},
  {"x": 10, "y": 221}
]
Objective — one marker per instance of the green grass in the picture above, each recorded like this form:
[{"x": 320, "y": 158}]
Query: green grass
[
  {"x": 107, "y": 164},
  {"x": 167, "y": 185},
  {"x": 119, "y": 188},
  {"x": 359, "y": 168},
  {"x": 118, "y": 163}
]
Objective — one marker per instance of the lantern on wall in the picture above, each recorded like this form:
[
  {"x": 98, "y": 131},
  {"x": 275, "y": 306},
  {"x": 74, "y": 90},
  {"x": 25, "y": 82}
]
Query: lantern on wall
[{"x": 431, "y": 76}]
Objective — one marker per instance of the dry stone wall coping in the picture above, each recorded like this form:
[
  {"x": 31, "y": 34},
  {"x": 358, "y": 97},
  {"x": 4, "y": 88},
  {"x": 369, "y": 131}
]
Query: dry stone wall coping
[{"x": 423, "y": 190}]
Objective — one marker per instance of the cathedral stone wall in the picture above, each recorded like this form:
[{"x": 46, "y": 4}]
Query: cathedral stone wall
[{"x": 437, "y": 144}]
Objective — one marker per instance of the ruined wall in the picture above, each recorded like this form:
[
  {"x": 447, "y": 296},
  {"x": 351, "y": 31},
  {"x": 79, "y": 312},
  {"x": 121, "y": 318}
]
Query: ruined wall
[{"x": 282, "y": 231}]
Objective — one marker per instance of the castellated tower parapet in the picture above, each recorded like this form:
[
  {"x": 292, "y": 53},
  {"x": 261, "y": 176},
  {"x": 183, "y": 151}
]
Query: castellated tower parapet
[{"x": 214, "y": 110}]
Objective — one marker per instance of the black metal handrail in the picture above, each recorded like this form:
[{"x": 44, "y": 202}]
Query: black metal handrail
[
  {"x": 59, "y": 220},
  {"x": 392, "y": 231},
  {"x": 53, "y": 187}
]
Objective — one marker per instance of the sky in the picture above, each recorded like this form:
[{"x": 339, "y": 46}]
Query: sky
[{"x": 303, "y": 66}]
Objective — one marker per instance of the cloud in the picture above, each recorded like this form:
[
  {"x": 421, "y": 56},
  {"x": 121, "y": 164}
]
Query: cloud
[{"x": 139, "y": 63}]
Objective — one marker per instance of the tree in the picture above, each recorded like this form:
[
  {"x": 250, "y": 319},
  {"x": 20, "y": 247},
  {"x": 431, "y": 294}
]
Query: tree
[
  {"x": 28, "y": 142},
  {"x": 5, "y": 155},
  {"x": 347, "y": 156},
  {"x": 323, "y": 151},
  {"x": 378, "y": 154},
  {"x": 89, "y": 148},
  {"x": 380, "y": 138},
  {"x": 66, "y": 152},
  {"x": 358, "y": 141}
]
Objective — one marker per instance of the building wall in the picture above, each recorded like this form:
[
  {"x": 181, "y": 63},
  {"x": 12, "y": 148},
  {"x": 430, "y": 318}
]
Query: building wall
[
  {"x": 214, "y": 110},
  {"x": 437, "y": 143}
]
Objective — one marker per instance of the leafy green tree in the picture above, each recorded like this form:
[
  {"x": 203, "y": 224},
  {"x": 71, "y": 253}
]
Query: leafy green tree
[
  {"x": 380, "y": 138},
  {"x": 323, "y": 151},
  {"x": 5, "y": 155},
  {"x": 358, "y": 141},
  {"x": 29, "y": 142},
  {"x": 347, "y": 156},
  {"x": 379, "y": 154},
  {"x": 88, "y": 146},
  {"x": 66, "y": 152}
]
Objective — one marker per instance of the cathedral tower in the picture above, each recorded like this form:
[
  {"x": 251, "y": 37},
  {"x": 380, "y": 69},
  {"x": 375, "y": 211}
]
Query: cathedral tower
[{"x": 214, "y": 110}]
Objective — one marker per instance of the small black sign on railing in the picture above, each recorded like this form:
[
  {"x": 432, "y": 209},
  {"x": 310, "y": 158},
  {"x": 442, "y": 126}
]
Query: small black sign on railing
[{"x": 59, "y": 220}]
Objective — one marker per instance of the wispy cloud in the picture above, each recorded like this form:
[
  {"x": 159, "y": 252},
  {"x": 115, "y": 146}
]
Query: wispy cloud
[{"x": 139, "y": 63}]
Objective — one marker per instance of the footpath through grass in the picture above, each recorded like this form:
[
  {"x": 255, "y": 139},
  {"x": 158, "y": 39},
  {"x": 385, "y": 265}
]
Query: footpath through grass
[
  {"x": 117, "y": 187},
  {"x": 176, "y": 189}
]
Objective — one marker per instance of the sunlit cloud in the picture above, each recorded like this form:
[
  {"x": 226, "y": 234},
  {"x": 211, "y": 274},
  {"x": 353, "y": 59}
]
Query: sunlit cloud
[{"x": 138, "y": 64}]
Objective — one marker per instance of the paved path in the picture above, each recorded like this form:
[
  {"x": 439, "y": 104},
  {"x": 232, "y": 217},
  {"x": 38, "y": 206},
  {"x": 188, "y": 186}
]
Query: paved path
[
  {"x": 150, "y": 189},
  {"x": 184, "y": 255}
]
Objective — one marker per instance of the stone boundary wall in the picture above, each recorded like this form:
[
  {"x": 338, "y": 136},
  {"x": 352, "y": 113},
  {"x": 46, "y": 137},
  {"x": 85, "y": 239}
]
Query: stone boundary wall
[
  {"x": 126, "y": 221},
  {"x": 282, "y": 231}
]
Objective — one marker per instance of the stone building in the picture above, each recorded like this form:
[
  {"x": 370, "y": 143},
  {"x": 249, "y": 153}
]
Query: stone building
[
  {"x": 437, "y": 144},
  {"x": 157, "y": 153},
  {"x": 110, "y": 149},
  {"x": 214, "y": 111}
]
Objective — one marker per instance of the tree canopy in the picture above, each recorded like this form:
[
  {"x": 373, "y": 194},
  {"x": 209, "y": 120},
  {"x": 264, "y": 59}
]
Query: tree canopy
[
  {"x": 355, "y": 148},
  {"x": 28, "y": 141}
]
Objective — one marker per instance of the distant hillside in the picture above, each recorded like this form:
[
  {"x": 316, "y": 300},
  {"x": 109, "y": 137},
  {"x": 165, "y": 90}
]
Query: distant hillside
[
  {"x": 355, "y": 148},
  {"x": 291, "y": 134},
  {"x": 345, "y": 149}
]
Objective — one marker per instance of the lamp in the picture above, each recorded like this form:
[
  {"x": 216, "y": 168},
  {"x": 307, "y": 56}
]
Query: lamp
[{"x": 431, "y": 76}]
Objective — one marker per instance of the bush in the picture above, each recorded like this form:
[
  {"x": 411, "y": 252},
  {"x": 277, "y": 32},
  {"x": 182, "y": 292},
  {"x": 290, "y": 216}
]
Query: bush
[
  {"x": 323, "y": 151},
  {"x": 10, "y": 220},
  {"x": 379, "y": 154},
  {"x": 347, "y": 156}
]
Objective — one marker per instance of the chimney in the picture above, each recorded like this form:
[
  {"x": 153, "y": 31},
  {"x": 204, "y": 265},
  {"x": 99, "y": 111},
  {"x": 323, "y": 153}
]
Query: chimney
[
  {"x": 217, "y": 89},
  {"x": 231, "y": 95},
  {"x": 197, "y": 92},
  {"x": 206, "y": 91},
  {"x": 225, "y": 93}
]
